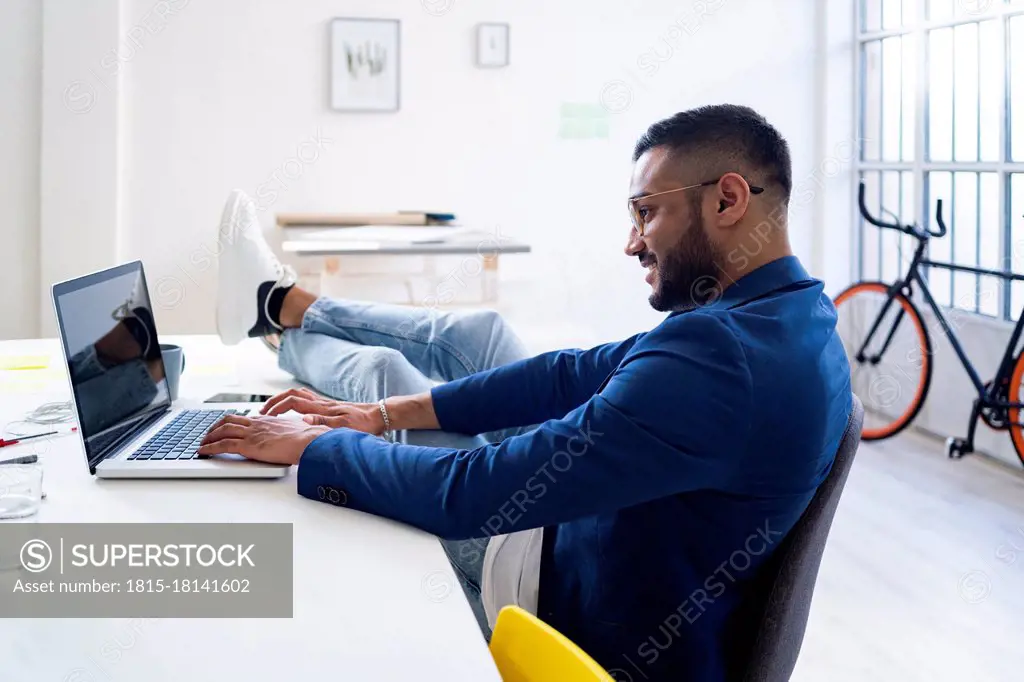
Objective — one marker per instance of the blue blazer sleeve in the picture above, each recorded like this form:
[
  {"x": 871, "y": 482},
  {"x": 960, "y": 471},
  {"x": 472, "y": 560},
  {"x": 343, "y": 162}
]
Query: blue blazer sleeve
[
  {"x": 526, "y": 392},
  {"x": 672, "y": 418}
]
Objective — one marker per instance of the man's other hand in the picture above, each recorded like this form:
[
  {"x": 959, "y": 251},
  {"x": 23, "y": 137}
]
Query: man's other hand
[{"x": 320, "y": 411}]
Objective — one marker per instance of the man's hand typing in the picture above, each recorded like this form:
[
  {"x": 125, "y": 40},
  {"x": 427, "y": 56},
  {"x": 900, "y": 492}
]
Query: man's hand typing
[{"x": 264, "y": 439}]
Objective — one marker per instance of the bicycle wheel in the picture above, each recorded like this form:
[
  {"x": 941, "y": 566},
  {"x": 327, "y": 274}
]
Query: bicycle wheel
[
  {"x": 1016, "y": 427},
  {"x": 894, "y": 371}
]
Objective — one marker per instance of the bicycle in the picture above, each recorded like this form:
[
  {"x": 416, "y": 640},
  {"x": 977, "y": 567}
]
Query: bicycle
[{"x": 878, "y": 320}]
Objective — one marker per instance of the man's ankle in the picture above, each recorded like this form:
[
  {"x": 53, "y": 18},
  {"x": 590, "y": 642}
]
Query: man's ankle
[{"x": 293, "y": 308}]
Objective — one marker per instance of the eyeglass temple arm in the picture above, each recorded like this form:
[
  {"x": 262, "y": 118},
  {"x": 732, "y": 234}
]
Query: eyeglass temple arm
[{"x": 754, "y": 189}]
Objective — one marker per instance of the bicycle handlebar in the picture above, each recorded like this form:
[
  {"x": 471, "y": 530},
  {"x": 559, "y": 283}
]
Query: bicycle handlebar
[
  {"x": 938, "y": 219},
  {"x": 912, "y": 230},
  {"x": 870, "y": 218}
]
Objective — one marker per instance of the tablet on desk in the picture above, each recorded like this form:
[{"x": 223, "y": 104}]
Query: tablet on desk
[{"x": 238, "y": 398}]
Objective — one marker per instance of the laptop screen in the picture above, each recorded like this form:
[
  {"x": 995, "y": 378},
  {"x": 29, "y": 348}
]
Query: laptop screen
[{"x": 113, "y": 354}]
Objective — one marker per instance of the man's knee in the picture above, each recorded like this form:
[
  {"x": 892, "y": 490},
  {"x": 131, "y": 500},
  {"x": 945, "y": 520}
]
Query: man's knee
[
  {"x": 503, "y": 345},
  {"x": 487, "y": 319},
  {"x": 488, "y": 325}
]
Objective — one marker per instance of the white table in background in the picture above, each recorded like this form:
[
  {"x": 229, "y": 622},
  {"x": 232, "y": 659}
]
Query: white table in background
[
  {"x": 374, "y": 600},
  {"x": 480, "y": 251}
]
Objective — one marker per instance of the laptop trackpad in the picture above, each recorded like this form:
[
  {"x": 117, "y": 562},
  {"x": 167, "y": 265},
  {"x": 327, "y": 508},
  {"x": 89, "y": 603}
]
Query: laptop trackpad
[{"x": 224, "y": 458}]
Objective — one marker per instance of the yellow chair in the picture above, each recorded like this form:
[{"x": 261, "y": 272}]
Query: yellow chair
[{"x": 526, "y": 649}]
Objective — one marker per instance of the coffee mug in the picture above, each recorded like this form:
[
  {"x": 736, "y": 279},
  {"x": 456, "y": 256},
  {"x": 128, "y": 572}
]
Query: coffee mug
[{"x": 174, "y": 365}]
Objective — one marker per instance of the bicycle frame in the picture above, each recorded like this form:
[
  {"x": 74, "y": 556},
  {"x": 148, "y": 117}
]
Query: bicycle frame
[{"x": 987, "y": 397}]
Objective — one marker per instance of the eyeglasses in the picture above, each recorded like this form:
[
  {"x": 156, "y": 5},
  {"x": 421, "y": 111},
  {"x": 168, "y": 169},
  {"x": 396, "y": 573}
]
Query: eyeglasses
[{"x": 639, "y": 221}]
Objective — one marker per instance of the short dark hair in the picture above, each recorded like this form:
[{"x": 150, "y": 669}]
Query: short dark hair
[{"x": 726, "y": 137}]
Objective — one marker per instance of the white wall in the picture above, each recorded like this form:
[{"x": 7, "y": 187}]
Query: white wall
[
  {"x": 81, "y": 169},
  {"x": 214, "y": 96},
  {"x": 21, "y": 52}
]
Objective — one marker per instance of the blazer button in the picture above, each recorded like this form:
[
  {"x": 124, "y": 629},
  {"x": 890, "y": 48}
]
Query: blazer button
[
  {"x": 334, "y": 496},
  {"x": 321, "y": 492}
]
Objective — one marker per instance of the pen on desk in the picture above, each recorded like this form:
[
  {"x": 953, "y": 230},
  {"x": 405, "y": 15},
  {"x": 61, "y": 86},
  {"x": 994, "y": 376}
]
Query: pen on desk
[
  {"x": 27, "y": 459},
  {"x": 21, "y": 439}
]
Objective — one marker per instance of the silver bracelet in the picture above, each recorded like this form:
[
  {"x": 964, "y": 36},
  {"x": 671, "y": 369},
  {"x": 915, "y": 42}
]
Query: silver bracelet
[{"x": 387, "y": 421}]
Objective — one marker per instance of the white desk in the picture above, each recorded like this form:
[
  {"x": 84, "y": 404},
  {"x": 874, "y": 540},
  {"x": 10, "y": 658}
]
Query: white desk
[
  {"x": 462, "y": 242},
  {"x": 374, "y": 600},
  {"x": 462, "y": 268}
]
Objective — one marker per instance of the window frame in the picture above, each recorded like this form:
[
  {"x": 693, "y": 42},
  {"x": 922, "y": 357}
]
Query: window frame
[{"x": 921, "y": 165}]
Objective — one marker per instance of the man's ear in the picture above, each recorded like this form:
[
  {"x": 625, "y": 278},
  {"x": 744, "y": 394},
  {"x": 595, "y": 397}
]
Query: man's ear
[{"x": 733, "y": 197}]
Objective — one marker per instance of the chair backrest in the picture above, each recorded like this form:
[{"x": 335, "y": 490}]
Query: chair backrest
[
  {"x": 787, "y": 600},
  {"x": 526, "y": 649}
]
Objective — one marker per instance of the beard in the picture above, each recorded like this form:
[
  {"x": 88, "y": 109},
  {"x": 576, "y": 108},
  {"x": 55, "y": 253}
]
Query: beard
[{"x": 688, "y": 274}]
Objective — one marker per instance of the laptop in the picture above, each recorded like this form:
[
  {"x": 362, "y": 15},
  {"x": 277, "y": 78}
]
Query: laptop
[{"x": 119, "y": 389}]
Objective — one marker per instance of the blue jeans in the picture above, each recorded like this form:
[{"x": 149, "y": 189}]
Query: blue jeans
[{"x": 362, "y": 352}]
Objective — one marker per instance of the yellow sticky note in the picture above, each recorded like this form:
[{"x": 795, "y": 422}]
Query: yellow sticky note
[{"x": 24, "y": 361}]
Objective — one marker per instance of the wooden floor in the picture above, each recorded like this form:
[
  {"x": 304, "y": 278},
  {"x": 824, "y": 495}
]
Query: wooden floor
[{"x": 923, "y": 575}]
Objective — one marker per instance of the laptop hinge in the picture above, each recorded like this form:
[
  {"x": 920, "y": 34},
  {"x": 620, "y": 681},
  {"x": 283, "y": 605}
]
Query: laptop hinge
[{"x": 121, "y": 443}]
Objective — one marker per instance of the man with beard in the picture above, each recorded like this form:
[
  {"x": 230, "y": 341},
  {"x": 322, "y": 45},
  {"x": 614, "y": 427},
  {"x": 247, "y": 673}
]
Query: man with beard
[{"x": 629, "y": 494}]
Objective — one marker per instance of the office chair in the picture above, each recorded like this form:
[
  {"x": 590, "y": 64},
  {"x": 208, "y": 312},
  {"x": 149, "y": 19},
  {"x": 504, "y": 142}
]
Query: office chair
[{"x": 789, "y": 587}]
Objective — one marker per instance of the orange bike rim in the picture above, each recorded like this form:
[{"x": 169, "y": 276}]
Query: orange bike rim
[
  {"x": 1015, "y": 431},
  {"x": 908, "y": 414}
]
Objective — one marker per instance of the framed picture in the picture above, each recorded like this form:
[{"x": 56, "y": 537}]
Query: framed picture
[
  {"x": 365, "y": 62},
  {"x": 492, "y": 45}
]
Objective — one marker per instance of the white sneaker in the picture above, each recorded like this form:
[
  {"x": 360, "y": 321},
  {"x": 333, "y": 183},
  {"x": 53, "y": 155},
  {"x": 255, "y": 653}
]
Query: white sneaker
[
  {"x": 136, "y": 299},
  {"x": 248, "y": 272},
  {"x": 137, "y": 318}
]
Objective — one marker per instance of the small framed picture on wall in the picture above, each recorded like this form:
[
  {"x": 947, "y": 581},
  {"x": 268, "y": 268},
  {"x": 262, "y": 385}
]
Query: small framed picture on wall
[
  {"x": 492, "y": 45},
  {"x": 365, "y": 64}
]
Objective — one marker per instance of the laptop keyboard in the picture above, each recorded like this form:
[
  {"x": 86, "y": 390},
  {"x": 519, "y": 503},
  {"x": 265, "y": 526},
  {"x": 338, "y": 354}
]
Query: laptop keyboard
[{"x": 180, "y": 438}]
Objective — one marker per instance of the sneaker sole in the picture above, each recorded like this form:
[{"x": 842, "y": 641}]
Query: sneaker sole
[{"x": 232, "y": 319}]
